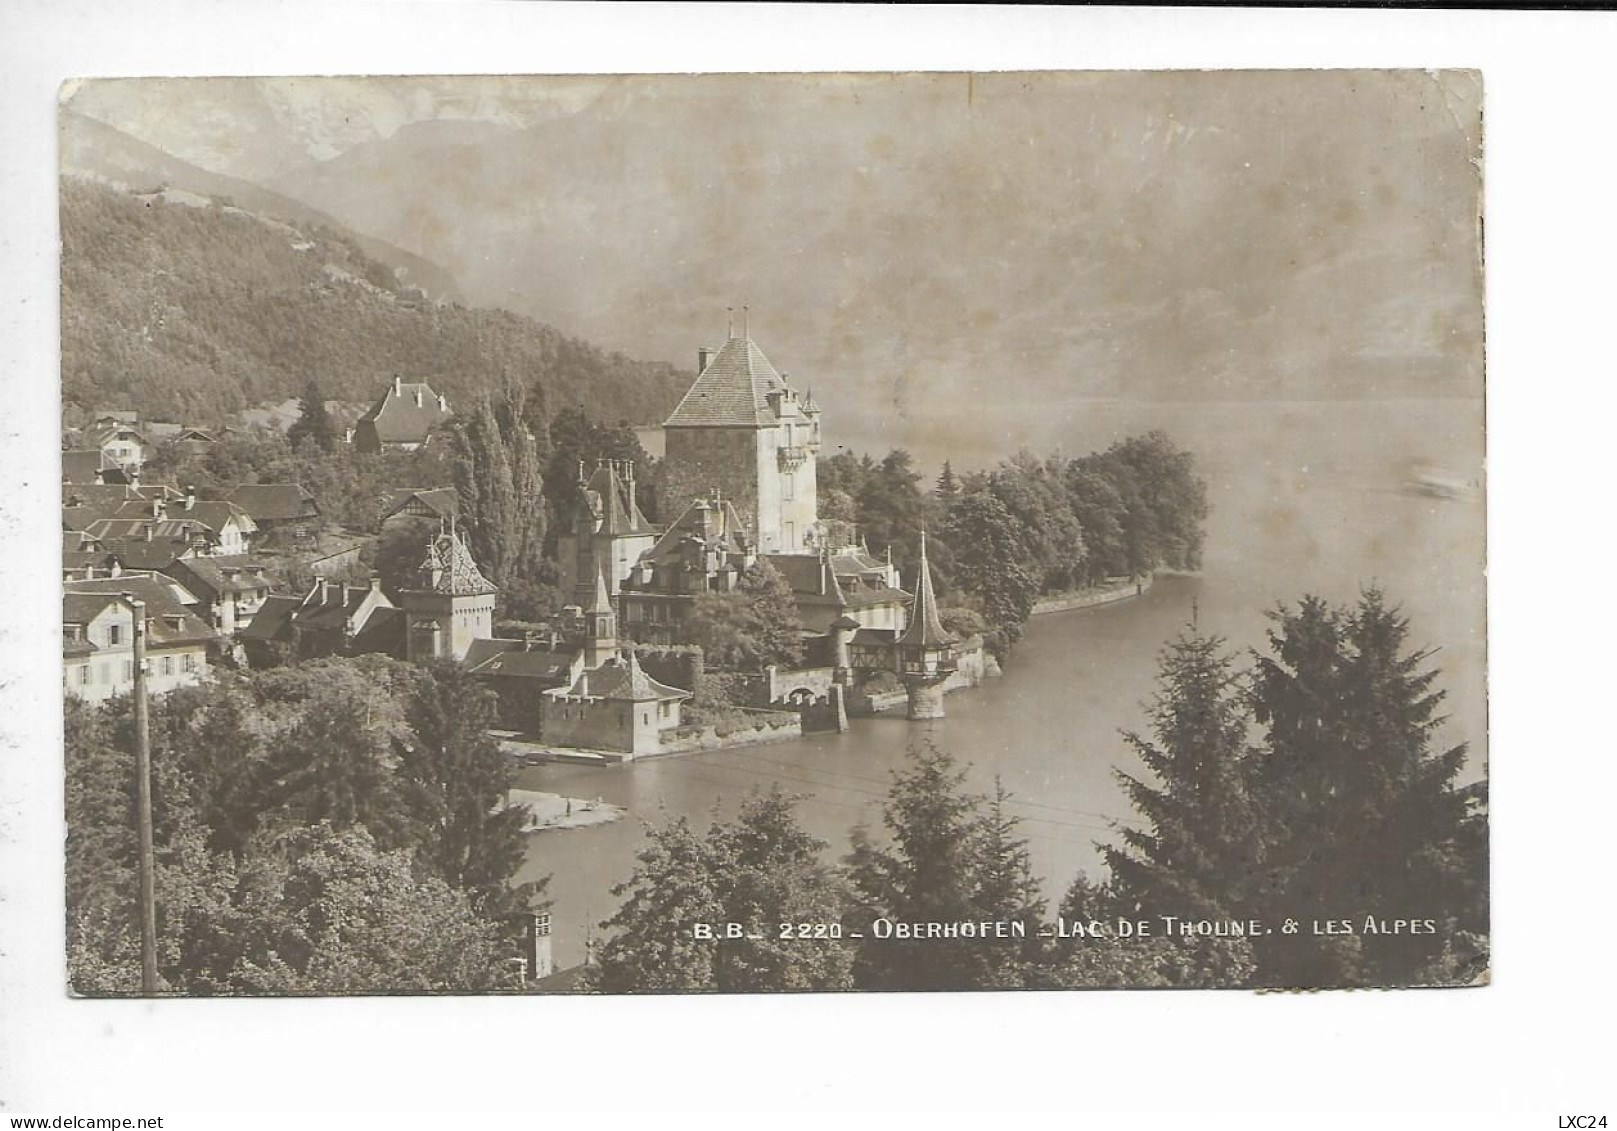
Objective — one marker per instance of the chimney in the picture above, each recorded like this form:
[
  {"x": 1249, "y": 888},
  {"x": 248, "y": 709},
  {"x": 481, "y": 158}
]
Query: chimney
[
  {"x": 190, "y": 497},
  {"x": 320, "y": 589},
  {"x": 418, "y": 396},
  {"x": 376, "y": 583},
  {"x": 703, "y": 356},
  {"x": 443, "y": 403},
  {"x": 148, "y": 529},
  {"x": 157, "y": 507},
  {"x": 398, "y": 385}
]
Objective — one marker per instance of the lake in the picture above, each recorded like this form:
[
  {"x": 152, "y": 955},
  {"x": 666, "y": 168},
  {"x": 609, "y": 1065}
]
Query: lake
[{"x": 1307, "y": 497}]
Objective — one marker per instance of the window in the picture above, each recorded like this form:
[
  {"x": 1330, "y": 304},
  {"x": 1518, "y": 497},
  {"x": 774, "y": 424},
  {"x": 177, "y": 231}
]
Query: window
[
  {"x": 84, "y": 675},
  {"x": 129, "y": 669},
  {"x": 787, "y": 486},
  {"x": 190, "y": 661},
  {"x": 115, "y": 633},
  {"x": 168, "y": 665}
]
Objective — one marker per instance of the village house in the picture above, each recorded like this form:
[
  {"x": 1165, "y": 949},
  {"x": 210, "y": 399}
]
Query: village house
[
  {"x": 285, "y": 514},
  {"x": 83, "y": 503},
  {"x": 98, "y": 636},
  {"x": 846, "y": 582},
  {"x": 117, "y": 433},
  {"x": 520, "y": 671},
  {"x": 402, "y": 420},
  {"x": 206, "y": 526},
  {"x": 181, "y": 439},
  {"x": 403, "y": 508},
  {"x": 88, "y": 467},
  {"x": 332, "y": 619},
  {"x": 229, "y": 590}
]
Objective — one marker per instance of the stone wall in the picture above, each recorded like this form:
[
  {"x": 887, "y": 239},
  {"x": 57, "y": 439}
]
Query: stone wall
[
  {"x": 1120, "y": 590},
  {"x": 700, "y": 459},
  {"x": 766, "y": 726}
]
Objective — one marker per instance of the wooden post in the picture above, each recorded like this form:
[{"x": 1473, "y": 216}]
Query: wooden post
[{"x": 143, "y": 806}]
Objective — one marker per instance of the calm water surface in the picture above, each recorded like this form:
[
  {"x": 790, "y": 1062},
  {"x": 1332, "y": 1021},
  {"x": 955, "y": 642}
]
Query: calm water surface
[{"x": 1307, "y": 498}]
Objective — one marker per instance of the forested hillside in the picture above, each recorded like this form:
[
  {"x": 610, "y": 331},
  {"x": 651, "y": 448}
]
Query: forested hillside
[{"x": 193, "y": 310}]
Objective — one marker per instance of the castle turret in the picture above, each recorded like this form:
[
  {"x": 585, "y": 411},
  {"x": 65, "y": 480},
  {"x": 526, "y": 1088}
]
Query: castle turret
[
  {"x": 925, "y": 651},
  {"x": 609, "y": 532},
  {"x": 450, "y": 603},
  {"x": 600, "y": 626}
]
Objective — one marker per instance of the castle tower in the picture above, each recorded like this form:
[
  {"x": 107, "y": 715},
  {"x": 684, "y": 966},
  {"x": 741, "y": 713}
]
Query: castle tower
[
  {"x": 609, "y": 533},
  {"x": 600, "y": 626},
  {"x": 925, "y": 652},
  {"x": 450, "y": 605},
  {"x": 742, "y": 428}
]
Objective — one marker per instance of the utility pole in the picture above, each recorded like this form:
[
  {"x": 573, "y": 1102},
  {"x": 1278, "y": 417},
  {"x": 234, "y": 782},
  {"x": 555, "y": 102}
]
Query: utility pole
[{"x": 143, "y": 805}]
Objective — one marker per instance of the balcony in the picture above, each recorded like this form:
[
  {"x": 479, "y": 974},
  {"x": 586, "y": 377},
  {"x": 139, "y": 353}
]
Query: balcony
[{"x": 794, "y": 457}]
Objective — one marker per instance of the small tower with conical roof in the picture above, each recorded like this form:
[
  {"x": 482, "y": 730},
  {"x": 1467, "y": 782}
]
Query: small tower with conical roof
[
  {"x": 925, "y": 651},
  {"x": 600, "y": 626},
  {"x": 450, "y": 603}
]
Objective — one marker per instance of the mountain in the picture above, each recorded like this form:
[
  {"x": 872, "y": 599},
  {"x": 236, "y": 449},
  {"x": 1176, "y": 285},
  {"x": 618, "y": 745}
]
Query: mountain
[
  {"x": 189, "y": 308},
  {"x": 946, "y": 259},
  {"x": 1183, "y": 236},
  {"x": 94, "y": 150}
]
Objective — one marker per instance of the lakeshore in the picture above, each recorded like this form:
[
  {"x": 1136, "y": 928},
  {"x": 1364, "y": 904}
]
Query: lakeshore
[{"x": 1093, "y": 597}]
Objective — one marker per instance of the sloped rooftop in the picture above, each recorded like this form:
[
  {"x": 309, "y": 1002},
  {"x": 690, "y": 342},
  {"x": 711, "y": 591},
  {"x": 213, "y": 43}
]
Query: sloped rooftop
[{"x": 732, "y": 391}]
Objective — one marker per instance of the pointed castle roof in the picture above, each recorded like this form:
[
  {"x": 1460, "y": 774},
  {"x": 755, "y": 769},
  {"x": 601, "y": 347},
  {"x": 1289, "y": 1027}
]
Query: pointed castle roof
[
  {"x": 732, "y": 391},
  {"x": 618, "y": 513},
  {"x": 622, "y": 678},
  {"x": 601, "y": 599},
  {"x": 450, "y": 569},
  {"x": 925, "y": 629}
]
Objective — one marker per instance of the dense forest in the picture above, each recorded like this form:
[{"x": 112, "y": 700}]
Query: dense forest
[
  {"x": 334, "y": 827},
  {"x": 193, "y": 312}
]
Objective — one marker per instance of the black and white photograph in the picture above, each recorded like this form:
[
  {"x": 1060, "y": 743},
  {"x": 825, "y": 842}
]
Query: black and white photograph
[
  {"x": 915, "y": 562},
  {"x": 773, "y": 533}
]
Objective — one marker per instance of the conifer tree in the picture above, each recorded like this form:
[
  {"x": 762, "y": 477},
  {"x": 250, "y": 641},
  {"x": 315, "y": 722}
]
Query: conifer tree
[
  {"x": 313, "y": 421},
  {"x": 497, "y": 475},
  {"x": 1197, "y": 851},
  {"x": 759, "y": 871},
  {"x": 653, "y": 944},
  {"x": 455, "y": 782},
  {"x": 928, "y": 874},
  {"x": 1365, "y": 820},
  {"x": 947, "y": 489},
  {"x": 1007, "y": 892},
  {"x": 772, "y": 875}
]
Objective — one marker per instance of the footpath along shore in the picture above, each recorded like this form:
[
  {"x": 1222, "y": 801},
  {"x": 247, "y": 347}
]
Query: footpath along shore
[{"x": 1119, "y": 589}]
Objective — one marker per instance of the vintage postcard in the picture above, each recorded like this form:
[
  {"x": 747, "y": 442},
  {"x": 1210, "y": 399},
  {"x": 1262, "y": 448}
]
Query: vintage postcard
[{"x": 773, "y": 533}]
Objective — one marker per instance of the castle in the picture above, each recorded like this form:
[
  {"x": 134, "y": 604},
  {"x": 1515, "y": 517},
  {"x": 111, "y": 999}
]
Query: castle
[
  {"x": 743, "y": 430},
  {"x": 740, "y": 457}
]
